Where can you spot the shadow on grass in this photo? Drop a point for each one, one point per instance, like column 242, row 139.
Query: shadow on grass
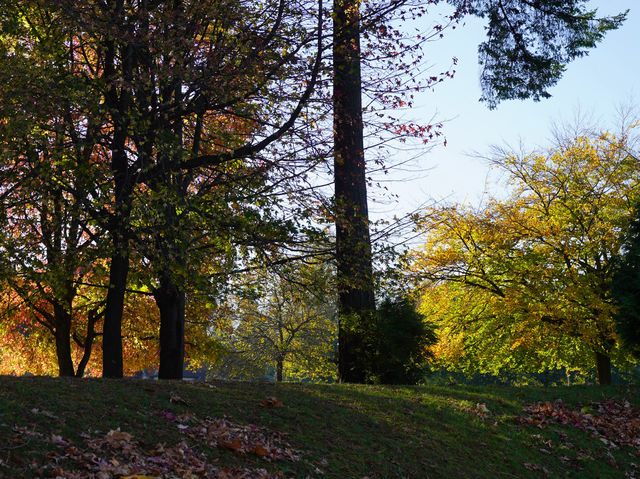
column 344, row 431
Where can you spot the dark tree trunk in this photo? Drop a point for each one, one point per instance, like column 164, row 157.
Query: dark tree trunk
column 353, row 245
column 118, row 97
column 62, row 320
column 170, row 301
column 112, row 366
column 92, row 319
column 170, row 296
column 603, row 368
column 279, row 369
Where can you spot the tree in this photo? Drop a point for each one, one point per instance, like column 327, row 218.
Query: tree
column 49, row 246
column 527, row 48
column 395, row 343
column 625, row 289
column 144, row 77
column 525, row 281
column 49, row 253
column 203, row 35
column 285, row 320
column 353, row 245
column 157, row 66
column 529, row 43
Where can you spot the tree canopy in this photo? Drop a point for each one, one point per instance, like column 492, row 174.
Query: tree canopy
column 525, row 281
column 158, row 148
column 529, row 43
column 283, row 319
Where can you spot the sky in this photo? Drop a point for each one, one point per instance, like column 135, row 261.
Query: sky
column 595, row 85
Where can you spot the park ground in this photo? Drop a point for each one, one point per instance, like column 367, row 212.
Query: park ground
column 97, row 428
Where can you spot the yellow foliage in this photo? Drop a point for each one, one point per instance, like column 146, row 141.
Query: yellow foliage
column 524, row 281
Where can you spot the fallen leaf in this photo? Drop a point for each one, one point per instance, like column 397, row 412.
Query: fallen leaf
column 260, row 451
column 614, row 422
column 57, row 472
column 58, row 440
column 174, row 398
column 221, row 432
column 235, row 444
column 119, row 435
column 271, row 402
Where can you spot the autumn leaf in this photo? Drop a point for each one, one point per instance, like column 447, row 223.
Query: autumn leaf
column 117, row 455
column 614, row 422
column 239, row 438
column 234, row 445
column 260, row 451
column 118, row 436
column 271, row 402
column 519, row 281
column 174, row 398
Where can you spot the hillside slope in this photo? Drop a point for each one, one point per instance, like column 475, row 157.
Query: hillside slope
column 94, row 428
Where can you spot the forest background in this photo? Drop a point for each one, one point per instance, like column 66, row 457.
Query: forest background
column 246, row 320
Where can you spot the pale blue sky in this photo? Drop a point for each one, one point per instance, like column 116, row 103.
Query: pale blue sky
column 596, row 84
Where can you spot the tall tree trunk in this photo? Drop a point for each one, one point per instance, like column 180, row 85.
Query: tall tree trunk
column 171, row 302
column 62, row 320
column 170, row 296
column 603, row 368
column 112, row 364
column 118, row 99
column 353, row 244
column 279, row 370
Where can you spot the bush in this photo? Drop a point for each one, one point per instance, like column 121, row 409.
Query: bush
column 393, row 343
column 625, row 289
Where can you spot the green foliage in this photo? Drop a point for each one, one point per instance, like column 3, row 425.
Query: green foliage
column 140, row 125
column 281, row 321
column 392, row 342
column 529, row 44
column 625, row 288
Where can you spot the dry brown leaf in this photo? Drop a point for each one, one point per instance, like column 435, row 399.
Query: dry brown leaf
column 271, row 402
column 174, row 398
column 235, row 444
column 614, row 422
column 118, row 435
column 260, row 451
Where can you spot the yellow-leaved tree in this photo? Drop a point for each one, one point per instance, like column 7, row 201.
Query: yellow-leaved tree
column 282, row 319
column 523, row 282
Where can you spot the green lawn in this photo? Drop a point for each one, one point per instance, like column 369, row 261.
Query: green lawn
column 94, row 428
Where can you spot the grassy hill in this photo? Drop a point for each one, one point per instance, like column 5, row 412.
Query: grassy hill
column 52, row 427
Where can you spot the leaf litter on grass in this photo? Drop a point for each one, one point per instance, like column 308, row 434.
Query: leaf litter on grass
column 243, row 439
column 614, row 422
column 119, row 454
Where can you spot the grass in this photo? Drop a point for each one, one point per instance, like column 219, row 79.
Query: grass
column 340, row 431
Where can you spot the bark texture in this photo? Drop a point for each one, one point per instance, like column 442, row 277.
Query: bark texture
column 353, row 244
